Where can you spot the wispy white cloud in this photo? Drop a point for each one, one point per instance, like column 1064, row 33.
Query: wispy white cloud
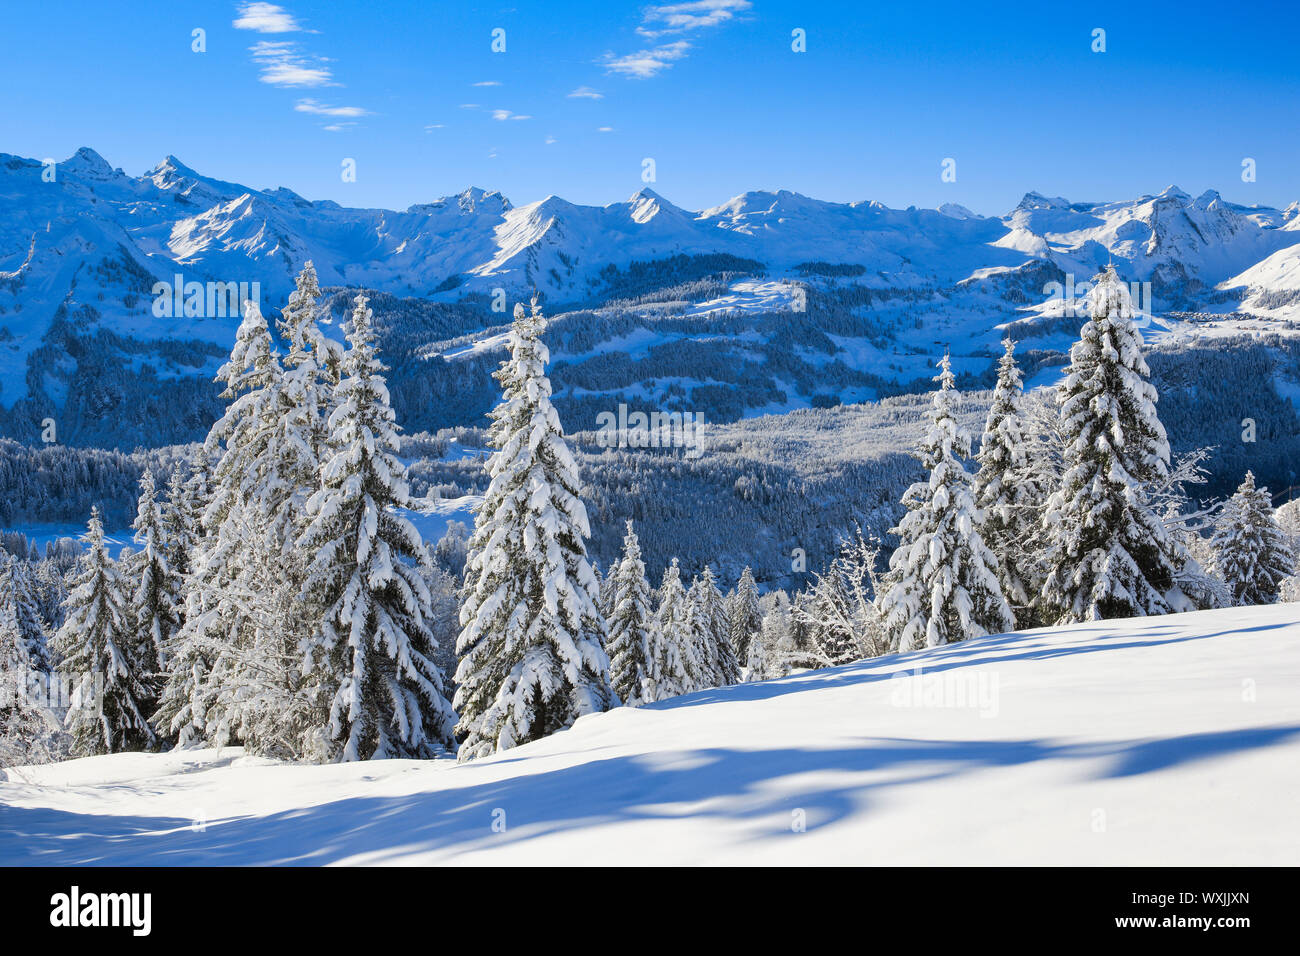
column 488, row 83
column 646, row 63
column 338, row 127
column 469, row 106
column 432, row 126
column 508, row 115
column 684, row 17
column 586, row 93
column 550, row 140
column 671, row 20
column 282, row 64
column 320, row 109
column 604, row 129
column 265, row 18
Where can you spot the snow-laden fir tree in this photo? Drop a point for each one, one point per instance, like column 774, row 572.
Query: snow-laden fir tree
column 157, row 589
column 942, row 581
column 1288, row 518
column 530, row 645
column 180, row 524
column 260, row 692
column 718, row 664
column 309, row 349
column 755, row 659
column 18, row 595
column 631, row 620
column 187, row 660
column 744, row 619
column 606, row 592
column 107, row 664
column 674, row 667
column 841, row 617
column 1006, row 493
column 19, row 721
column 1110, row 555
column 372, row 655
column 220, row 613
column 777, row 634
column 306, row 396
column 451, row 552
column 239, row 676
column 1251, row 552
column 29, row 731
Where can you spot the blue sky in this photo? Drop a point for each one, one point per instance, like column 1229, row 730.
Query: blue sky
column 711, row 90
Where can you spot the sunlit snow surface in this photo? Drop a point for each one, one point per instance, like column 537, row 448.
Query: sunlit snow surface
column 1172, row 740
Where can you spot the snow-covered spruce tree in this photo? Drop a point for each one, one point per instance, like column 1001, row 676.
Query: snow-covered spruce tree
column 20, row 722
column 630, row 621
column 755, row 659
column 777, row 634
column 29, row 732
column 444, row 622
column 718, row 664
column 157, row 590
column 239, row 676
column 744, row 619
column 259, row 694
column 219, row 609
column 1007, row 494
column 180, row 524
column 108, row 665
column 1110, row 555
column 674, row 668
column 1288, row 519
column 842, row 617
column 1187, row 521
column 187, row 662
column 942, row 581
column 372, row 655
column 309, row 349
column 18, row 594
column 1251, row 551
column 530, row 645
column 306, row 397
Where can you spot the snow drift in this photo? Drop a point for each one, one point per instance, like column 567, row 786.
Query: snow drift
column 1160, row 741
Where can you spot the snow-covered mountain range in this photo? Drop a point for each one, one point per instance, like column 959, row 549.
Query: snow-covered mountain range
column 83, row 247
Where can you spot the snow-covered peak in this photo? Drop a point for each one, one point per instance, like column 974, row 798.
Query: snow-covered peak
column 957, row 211
column 171, row 166
column 475, row 199
column 1036, row 200
column 471, row 201
column 1173, row 192
column 1206, row 199
column 783, row 202
column 645, row 204
column 85, row 163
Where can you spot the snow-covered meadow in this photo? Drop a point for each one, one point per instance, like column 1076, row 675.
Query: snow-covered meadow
column 1171, row 740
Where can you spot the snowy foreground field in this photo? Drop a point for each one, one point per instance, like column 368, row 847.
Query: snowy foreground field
column 1171, row 740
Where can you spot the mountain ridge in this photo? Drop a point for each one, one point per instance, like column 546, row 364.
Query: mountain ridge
column 88, row 253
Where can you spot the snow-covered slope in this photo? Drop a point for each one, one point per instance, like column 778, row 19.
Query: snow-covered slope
column 1168, row 741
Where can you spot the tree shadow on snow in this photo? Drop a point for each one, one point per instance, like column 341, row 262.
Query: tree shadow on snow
column 717, row 783
column 985, row 650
